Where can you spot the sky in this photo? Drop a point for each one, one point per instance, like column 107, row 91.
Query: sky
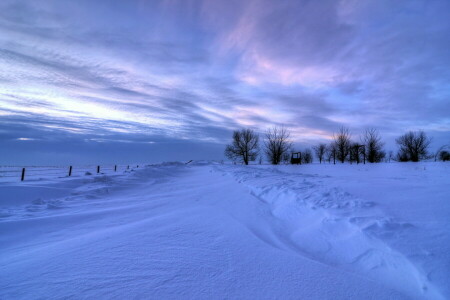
column 148, row 81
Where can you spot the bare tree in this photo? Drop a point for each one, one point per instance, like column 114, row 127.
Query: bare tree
column 245, row 146
column 413, row 146
column 277, row 143
column 373, row 146
column 286, row 158
column 331, row 152
column 342, row 144
column 355, row 152
column 444, row 155
column 439, row 150
column 307, row 156
column 320, row 151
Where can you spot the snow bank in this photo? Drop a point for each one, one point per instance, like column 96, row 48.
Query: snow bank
column 208, row 230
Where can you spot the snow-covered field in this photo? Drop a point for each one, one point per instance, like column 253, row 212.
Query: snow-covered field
column 212, row 231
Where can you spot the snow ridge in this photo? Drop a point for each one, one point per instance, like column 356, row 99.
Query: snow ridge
column 331, row 226
column 212, row 231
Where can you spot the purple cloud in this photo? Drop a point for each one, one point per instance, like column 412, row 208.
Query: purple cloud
column 177, row 72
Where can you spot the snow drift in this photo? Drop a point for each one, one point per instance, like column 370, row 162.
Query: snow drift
column 222, row 231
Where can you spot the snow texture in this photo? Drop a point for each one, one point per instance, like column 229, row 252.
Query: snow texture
column 213, row 231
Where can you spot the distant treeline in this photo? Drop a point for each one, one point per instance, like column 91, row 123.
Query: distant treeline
column 277, row 147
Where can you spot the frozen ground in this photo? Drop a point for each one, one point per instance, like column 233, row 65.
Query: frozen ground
column 211, row 231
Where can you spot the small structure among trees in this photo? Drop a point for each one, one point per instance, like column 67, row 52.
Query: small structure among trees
column 413, row 146
column 296, row 158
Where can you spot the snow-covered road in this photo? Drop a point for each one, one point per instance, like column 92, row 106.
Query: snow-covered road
column 211, row 231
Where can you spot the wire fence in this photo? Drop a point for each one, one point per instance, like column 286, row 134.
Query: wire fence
column 32, row 173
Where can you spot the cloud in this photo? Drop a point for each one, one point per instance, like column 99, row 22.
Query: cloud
column 177, row 72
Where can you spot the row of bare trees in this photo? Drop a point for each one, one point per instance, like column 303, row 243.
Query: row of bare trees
column 245, row 145
column 413, row 146
column 343, row 148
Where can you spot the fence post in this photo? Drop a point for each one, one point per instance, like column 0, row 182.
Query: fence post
column 334, row 156
column 23, row 174
column 98, row 169
column 128, row 167
column 137, row 166
column 70, row 171
column 115, row 168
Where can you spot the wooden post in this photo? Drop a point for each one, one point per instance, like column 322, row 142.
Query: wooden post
column 115, row 168
column 23, row 174
column 137, row 166
column 98, row 169
column 70, row 171
column 334, row 156
column 128, row 167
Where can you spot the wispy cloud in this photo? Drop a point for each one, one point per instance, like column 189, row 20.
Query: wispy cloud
column 176, row 71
